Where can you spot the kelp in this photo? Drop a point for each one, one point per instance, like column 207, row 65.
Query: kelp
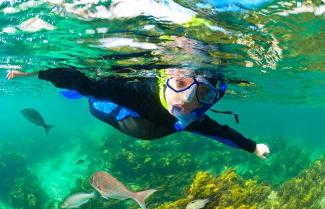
column 170, row 164
column 27, row 194
column 19, row 187
column 307, row 190
column 229, row 190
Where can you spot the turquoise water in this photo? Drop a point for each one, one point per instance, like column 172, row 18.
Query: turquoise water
column 274, row 48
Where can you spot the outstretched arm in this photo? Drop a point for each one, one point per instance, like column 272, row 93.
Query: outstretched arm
column 16, row 73
column 225, row 134
column 128, row 92
column 63, row 78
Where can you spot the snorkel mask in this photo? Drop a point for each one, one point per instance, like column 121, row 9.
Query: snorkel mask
column 190, row 88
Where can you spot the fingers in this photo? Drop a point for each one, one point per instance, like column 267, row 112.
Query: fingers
column 10, row 74
column 262, row 156
column 267, row 150
column 262, row 151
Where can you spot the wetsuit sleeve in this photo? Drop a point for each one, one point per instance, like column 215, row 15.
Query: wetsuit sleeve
column 69, row 78
column 112, row 88
column 222, row 133
column 140, row 94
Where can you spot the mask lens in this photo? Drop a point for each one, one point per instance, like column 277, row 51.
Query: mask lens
column 180, row 84
column 205, row 94
column 189, row 94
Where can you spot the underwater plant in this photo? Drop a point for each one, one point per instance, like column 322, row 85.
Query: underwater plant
column 12, row 166
column 19, row 187
column 148, row 164
column 283, row 163
column 307, row 190
column 27, row 193
column 170, row 164
column 229, row 190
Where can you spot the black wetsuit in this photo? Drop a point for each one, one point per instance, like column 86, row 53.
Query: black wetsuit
column 142, row 96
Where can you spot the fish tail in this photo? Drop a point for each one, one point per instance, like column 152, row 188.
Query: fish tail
column 139, row 197
column 96, row 194
column 47, row 128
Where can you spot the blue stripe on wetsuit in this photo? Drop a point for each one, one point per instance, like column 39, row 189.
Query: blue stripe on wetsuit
column 106, row 107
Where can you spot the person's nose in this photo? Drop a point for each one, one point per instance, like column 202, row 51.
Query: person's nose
column 184, row 98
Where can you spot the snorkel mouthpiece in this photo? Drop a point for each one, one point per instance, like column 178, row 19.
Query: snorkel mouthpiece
column 176, row 110
column 184, row 120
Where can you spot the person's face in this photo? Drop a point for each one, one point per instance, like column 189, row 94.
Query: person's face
column 181, row 100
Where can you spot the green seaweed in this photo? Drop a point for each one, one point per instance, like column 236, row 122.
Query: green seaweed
column 229, row 190
column 307, row 190
column 27, row 193
column 170, row 164
column 19, row 187
column 12, row 166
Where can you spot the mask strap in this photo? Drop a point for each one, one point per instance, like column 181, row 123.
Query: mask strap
column 228, row 113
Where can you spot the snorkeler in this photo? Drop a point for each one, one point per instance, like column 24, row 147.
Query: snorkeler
column 151, row 108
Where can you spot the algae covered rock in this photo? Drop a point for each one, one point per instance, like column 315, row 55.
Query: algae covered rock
column 170, row 164
column 228, row 190
column 307, row 190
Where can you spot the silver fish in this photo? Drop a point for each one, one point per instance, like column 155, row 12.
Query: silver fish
column 110, row 187
column 35, row 117
column 197, row 204
column 78, row 199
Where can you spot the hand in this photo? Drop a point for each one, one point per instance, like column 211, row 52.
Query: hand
column 261, row 150
column 14, row 73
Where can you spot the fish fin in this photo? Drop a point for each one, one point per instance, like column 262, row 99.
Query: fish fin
column 47, row 128
column 141, row 196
